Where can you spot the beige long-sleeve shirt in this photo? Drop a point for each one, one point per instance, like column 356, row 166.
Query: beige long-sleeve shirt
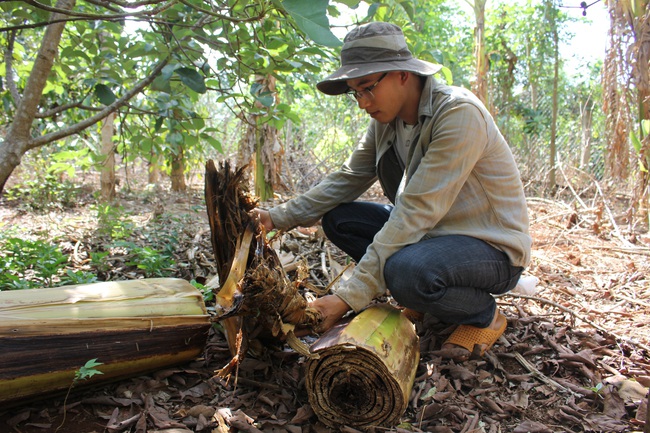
column 460, row 178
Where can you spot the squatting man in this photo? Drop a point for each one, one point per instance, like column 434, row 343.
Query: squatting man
column 456, row 231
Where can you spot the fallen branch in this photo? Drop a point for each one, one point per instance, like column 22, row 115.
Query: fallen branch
column 538, row 374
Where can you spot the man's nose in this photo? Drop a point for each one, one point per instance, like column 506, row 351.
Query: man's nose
column 363, row 102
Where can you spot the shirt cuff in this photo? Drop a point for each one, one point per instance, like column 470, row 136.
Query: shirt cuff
column 356, row 298
column 281, row 218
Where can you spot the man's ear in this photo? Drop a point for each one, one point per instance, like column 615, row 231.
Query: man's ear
column 404, row 76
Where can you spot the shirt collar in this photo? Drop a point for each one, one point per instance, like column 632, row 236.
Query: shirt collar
column 425, row 109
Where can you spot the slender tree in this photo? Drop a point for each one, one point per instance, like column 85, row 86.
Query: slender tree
column 551, row 14
column 479, row 86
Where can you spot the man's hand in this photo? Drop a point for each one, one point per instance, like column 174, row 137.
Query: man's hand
column 332, row 308
column 265, row 218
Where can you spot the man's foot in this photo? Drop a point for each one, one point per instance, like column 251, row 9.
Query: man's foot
column 469, row 340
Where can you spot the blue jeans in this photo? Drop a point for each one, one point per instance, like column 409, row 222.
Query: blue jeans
column 450, row 277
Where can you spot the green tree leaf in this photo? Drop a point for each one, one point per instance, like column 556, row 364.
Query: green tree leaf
column 174, row 137
column 192, row 79
column 311, row 17
column 216, row 144
column 161, row 84
column 105, row 94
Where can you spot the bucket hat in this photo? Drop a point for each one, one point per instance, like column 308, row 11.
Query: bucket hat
column 372, row 48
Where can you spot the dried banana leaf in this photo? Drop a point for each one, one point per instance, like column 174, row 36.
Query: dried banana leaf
column 365, row 370
column 253, row 282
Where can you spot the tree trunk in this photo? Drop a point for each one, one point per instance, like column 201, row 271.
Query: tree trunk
column 551, row 11
column 642, row 64
column 154, row 169
column 626, row 90
column 616, row 90
column 532, row 79
column 260, row 144
column 178, row 171
column 642, row 79
column 107, row 175
column 263, row 185
column 587, row 119
column 507, row 86
column 480, row 87
column 16, row 142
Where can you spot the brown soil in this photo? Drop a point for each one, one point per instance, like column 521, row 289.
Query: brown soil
column 574, row 357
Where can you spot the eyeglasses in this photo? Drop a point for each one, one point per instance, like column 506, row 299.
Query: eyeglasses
column 356, row 95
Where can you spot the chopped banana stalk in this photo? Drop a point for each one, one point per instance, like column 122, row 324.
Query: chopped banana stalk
column 365, row 370
column 254, row 283
column 229, row 298
column 131, row 327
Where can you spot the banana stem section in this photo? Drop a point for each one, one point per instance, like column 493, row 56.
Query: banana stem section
column 254, row 286
column 365, row 369
column 131, row 327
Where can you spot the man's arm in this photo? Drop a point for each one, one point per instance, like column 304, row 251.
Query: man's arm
column 343, row 186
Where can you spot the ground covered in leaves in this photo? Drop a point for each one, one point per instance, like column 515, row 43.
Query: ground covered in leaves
column 574, row 358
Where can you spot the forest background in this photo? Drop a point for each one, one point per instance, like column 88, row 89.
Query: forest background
column 104, row 98
column 110, row 110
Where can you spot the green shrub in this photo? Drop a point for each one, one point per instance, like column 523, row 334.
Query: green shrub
column 152, row 262
column 113, row 221
column 26, row 264
column 43, row 193
column 78, row 277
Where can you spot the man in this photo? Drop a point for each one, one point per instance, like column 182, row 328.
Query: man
column 458, row 228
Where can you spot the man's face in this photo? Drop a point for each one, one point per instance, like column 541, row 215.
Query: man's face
column 377, row 94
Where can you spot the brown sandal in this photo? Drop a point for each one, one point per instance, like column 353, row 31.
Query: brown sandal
column 468, row 337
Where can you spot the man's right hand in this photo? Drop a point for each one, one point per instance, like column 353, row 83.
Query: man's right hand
column 265, row 218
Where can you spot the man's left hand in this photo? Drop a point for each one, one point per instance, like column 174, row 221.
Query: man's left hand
column 332, row 309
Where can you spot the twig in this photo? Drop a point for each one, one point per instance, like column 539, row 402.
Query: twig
column 632, row 300
column 552, row 216
column 584, row 319
column 338, row 276
column 547, row 201
column 538, row 374
column 575, row 194
column 616, row 231
column 323, row 265
column 632, row 250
